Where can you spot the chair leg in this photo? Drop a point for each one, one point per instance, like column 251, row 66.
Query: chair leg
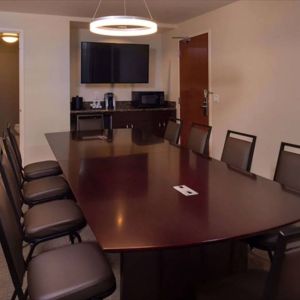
column 14, row 295
column 270, row 253
column 77, row 235
column 19, row 294
column 26, row 293
column 72, row 238
column 29, row 256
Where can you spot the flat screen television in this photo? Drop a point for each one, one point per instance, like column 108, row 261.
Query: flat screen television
column 114, row 63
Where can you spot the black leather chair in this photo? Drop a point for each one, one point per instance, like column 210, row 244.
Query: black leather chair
column 287, row 173
column 38, row 190
column 238, row 153
column 34, row 170
column 45, row 221
column 80, row 271
column 172, row 131
column 281, row 283
column 199, row 138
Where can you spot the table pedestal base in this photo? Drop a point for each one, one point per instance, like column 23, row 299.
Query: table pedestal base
column 173, row 274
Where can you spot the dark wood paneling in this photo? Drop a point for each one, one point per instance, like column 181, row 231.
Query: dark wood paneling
column 193, row 81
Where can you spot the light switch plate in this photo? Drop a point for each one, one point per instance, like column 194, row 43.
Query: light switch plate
column 216, row 98
column 185, row 190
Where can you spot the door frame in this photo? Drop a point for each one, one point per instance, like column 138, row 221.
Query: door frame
column 210, row 102
column 21, row 83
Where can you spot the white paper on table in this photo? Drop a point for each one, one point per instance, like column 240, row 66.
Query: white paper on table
column 185, row 190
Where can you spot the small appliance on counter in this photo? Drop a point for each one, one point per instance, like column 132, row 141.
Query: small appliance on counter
column 110, row 101
column 77, row 103
column 96, row 104
column 149, row 99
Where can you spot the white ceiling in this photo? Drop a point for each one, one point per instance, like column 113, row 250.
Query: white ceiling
column 163, row 11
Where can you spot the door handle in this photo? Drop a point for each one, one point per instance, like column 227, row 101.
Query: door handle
column 204, row 105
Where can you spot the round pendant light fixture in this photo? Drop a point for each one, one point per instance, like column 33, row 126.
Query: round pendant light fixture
column 123, row 25
column 10, row 37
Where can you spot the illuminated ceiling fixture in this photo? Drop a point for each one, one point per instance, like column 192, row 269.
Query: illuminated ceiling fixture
column 10, row 37
column 123, row 25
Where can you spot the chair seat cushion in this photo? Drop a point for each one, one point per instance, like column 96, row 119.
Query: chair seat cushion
column 74, row 272
column 268, row 241
column 44, row 189
column 245, row 286
column 52, row 218
column 41, row 169
column 265, row 242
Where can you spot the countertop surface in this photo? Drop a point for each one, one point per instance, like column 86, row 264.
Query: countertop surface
column 123, row 106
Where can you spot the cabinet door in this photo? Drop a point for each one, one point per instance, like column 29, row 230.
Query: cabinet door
column 123, row 119
column 161, row 120
column 155, row 120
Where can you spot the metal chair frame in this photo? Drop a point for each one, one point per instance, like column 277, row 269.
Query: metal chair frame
column 252, row 148
column 33, row 243
column 177, row 121
column 208, row 128
column 18, row 286
column 282, row 146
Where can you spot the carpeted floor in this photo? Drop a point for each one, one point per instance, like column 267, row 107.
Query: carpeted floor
column 257, row 259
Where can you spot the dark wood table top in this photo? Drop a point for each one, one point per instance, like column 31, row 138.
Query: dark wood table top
column 125, row 189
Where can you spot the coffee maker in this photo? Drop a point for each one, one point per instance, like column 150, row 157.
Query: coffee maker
column 77, row 103
column 110, row 102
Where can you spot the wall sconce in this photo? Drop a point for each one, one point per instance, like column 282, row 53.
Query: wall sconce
column 10, row 37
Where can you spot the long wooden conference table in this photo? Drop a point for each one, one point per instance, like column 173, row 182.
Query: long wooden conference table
column 168, row 241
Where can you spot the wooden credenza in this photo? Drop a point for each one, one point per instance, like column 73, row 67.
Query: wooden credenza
column 126, row 116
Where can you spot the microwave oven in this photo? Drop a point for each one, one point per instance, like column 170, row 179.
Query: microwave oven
column 148, row 99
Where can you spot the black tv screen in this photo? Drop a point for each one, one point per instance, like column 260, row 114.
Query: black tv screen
column 114, row 63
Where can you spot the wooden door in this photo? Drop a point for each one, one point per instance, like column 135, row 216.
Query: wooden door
column 193, row 82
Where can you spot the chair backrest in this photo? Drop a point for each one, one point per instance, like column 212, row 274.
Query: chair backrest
column 172, row 131
column 199, row 138
column 283, row 280
column 11, row 241
column 288, row 167
column 15, row 145
column 238, row 152
column 10, row 183
column 17, row 170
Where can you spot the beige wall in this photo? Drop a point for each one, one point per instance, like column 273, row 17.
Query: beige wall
column 46, row 75
column 255, row 65
column 90, row 92
column 9, row 84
